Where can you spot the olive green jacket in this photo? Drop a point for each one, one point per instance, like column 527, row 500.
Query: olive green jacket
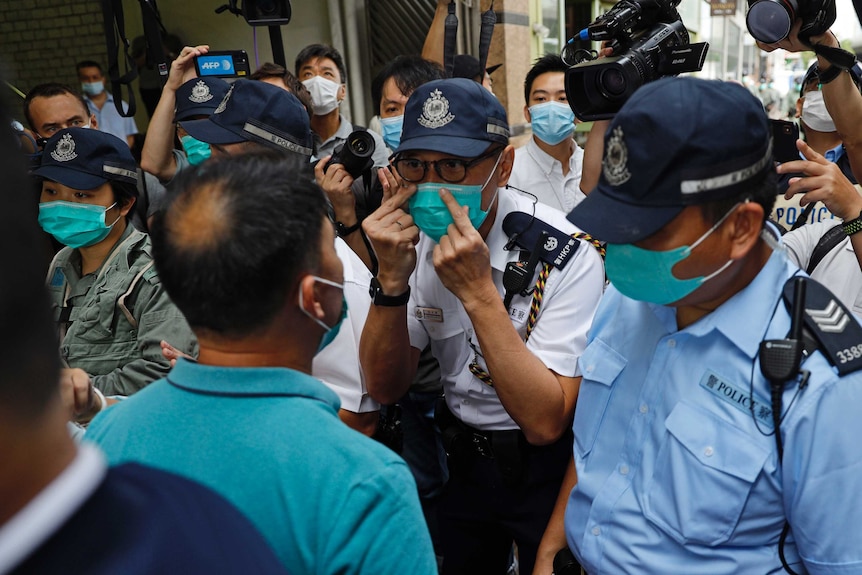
column 111, row 321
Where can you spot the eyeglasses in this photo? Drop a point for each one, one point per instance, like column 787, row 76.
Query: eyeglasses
column 451, row 170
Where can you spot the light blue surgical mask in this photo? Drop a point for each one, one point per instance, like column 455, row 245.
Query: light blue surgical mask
column 552, row 122
column 432, row 216
column 647, row 275
column 330, row 332
column 196, row 151
column 75, row 225
column 392, row 131
column 92, row 88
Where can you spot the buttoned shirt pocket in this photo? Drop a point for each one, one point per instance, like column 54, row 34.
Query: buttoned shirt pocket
column 600, row 365
column 704, row 472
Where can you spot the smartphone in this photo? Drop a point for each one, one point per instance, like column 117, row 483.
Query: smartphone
column 223, row 64
column 784, row 136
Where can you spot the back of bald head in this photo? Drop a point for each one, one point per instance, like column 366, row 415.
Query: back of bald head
column 234, row 238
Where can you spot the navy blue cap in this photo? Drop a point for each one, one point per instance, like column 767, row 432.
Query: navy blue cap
column 454, row 116
column 253, row 111
column 199, row 97
column 84, row 159
column 676, row 142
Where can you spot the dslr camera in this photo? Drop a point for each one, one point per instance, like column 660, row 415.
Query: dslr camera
column 769, row 21
column 355, row 154
column 649, row 41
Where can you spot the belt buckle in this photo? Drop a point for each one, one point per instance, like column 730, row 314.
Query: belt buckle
column 482, row 445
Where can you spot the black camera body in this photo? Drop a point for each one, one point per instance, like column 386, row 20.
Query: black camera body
column 355, row 154
column 649, row 41
column 769, row 21
column 266, row 12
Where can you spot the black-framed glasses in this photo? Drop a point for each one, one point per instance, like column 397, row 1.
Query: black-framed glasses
column 451, row 170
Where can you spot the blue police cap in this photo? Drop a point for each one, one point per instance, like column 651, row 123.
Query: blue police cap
column 676, row 142
column 84, row 159
column 255, row 111
column 199, row 97
column 454, row 116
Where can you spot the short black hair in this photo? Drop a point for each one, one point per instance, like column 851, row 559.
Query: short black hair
column 760, row 191
column 49, row 90
column 320, row 51
column 123, row 194
column 88, row 64
column 543, row 65
column 234, row 238
column 409, row 73
column 29, row 357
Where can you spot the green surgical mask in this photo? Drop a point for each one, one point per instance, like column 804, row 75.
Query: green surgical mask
column 75, row 225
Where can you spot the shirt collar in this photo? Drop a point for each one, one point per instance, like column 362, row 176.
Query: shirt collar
column 52, row 507
column 545, row 161
column 835, row 153
column 345, row 128
column 757, row 303
column 249, row 382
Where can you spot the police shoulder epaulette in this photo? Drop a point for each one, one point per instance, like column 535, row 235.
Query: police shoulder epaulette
column 836, row 330
column 151, row 275
column 524, row 230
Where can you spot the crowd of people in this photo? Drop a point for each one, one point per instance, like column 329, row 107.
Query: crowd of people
column 249, row 356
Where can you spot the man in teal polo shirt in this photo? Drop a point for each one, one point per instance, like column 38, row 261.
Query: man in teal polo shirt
column 246, row 252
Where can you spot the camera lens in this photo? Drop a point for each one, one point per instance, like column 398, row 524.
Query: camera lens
column 612, row 82
column 769, row 21
column 359, row 146
column 268, row 8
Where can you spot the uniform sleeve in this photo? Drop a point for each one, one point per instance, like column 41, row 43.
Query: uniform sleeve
column 822, row 466
column 381, row 528
column 158, row 319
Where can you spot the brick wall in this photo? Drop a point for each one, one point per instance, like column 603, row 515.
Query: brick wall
column 42, row 40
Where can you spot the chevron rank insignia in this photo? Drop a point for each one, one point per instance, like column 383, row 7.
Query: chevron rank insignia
column 836, row 330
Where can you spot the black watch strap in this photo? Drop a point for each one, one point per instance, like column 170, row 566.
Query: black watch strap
column 379, row 298
column 343, row 231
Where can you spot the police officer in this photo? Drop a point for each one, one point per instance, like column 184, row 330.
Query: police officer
column 507, row 357
column 685, row 464
column 108, row 302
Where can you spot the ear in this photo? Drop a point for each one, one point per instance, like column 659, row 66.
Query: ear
column 342, row 92
column 94, row 122
column 744, row 227
column 799, row 107
column 309, row 297
column 507, row 161
column 527, row 115
column 127, row 207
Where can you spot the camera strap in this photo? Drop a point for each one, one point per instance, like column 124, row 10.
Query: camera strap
column 115, row 32
column 153, row 30
column 450, row 37
column 489, row 20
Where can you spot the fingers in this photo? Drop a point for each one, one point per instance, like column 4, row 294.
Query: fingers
column 391, row 181
column 460, row 214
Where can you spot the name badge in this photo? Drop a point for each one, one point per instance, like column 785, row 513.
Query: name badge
column 58, row 279
column 434, row 314
column 518, row 314
column 738, row 398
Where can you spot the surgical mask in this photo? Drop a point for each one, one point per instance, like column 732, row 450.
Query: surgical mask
column 196, row 151
column 432, row 216
column 92, row 88
column 814, row 113
column 392, row 131
column 647, row 275
column 552, row 122
column 330, row 332
column 324, row 94
column 75, row 225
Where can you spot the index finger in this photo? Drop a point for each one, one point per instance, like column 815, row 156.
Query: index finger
column 397, row 200
column 459, row 215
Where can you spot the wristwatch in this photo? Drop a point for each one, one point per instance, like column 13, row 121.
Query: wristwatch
column 380, row 298
column 343, row 231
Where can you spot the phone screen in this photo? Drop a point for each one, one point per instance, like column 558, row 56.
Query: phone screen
column 219, row 65
column 784, row 136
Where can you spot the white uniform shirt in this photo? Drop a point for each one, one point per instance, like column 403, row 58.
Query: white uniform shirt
column 570, row 300
column 338, row 364
column 540, row 174
column 838, row 270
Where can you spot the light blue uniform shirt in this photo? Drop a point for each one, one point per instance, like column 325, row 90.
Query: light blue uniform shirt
column 674, row 477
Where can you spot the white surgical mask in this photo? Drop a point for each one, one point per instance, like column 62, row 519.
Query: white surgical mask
column 324, row 94
column 814, row 113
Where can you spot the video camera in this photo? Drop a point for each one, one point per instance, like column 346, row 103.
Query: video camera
column 769, row 21
column 649, row 41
